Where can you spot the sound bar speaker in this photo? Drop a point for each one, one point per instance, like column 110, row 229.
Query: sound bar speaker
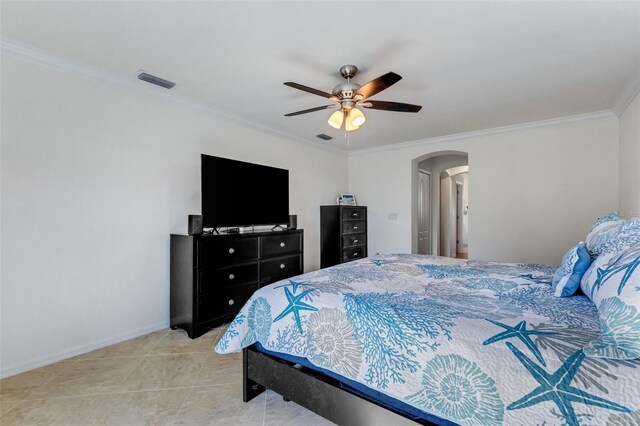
column 195, row 224
column 293, row 221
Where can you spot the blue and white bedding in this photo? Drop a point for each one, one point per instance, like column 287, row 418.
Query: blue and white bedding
column 476, row 343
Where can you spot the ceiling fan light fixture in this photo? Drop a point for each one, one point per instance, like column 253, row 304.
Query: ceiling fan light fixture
column 348, row 124
column 356, row 117
column 336, row 119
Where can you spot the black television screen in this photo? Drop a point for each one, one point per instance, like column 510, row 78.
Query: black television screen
column 236, row 193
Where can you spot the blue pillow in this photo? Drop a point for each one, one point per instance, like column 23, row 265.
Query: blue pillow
column 575, row 263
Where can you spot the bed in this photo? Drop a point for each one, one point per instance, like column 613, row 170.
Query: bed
column 399, row 338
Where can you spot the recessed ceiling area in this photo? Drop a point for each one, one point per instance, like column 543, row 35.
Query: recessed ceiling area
column 471, row 65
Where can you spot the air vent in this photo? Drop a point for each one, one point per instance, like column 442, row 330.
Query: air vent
column 324, row 137
column 156, row 80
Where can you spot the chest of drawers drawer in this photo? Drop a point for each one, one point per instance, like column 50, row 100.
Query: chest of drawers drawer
column 211, row 281
column 224, row 303
column 354, row 253
column 354, row 240
column 285, row 266
column 354, row 227
column 276, row 245
column 353, row 213
column 225, row 251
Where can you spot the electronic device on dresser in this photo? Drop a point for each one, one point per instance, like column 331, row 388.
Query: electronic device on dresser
column 238, row 194
column 343, row 234
column 212, row 276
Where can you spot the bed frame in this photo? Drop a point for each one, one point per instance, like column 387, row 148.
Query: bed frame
column 314, row 391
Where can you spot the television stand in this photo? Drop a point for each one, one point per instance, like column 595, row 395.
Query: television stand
column 278, row 226
column 213, row 276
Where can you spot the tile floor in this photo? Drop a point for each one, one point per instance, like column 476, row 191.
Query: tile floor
column 162, row 378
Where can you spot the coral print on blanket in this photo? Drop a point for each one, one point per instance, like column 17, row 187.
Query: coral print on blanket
column 473, row 343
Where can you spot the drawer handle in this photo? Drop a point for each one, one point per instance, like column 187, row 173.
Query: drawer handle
column 231, row 276
column 355, row 241
column 282, row 266
column 356, row 254
column 354, row 214
column 281, row 244
column 231, row 302
column 355, row 227
column 231, row 250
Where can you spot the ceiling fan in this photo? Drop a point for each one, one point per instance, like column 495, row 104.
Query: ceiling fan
column 349, row 96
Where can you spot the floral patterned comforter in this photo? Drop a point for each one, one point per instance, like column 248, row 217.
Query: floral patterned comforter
column 477, row 343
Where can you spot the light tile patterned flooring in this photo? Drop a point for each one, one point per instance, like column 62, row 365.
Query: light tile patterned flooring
column 163, row 378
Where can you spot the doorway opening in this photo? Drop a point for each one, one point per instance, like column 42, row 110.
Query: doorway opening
column 440, row 213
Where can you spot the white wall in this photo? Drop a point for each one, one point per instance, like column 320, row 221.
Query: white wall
column 630, row 159
column 533, row 192
column 94, row 178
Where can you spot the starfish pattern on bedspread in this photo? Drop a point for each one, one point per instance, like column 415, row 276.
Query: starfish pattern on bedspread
column 295, row 306
column 556, row 387
column 294, row 285
column 518, row 331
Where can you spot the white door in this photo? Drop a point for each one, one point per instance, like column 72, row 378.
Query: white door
column 459, row 212
column 424, row 212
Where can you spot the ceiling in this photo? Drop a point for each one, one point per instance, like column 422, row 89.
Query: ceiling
column 472, row 66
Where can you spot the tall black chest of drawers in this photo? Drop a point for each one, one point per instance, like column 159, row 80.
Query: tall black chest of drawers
column 343, row 234
column 212, row 276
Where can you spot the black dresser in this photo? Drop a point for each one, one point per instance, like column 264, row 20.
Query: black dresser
column 212, row 276
column 343, row 234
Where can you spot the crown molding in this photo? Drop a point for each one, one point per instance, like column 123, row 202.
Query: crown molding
column 630, row 91
column 46, row 59
column 599, row 115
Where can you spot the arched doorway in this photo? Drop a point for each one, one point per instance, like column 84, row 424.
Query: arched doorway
column 440, row 218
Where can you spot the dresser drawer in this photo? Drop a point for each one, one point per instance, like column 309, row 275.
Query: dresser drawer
column 354, row 240
column 354, row 253
column 210, row 281
column 353, row 213
column 354, row 227
column 226, row 251
column 285, row 266
column 225, row 303
column 274, row 245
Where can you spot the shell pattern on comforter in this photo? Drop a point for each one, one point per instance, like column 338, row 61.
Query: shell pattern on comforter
column 477, row 343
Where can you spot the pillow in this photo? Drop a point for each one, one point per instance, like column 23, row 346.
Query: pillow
column 600, row 234
column 575, row 263
column 611, row 217
column 613, row 283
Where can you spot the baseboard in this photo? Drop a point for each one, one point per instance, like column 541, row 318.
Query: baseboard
column 79, row 350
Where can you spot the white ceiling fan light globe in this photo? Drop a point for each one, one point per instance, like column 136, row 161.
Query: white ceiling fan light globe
column 336, row 119
column 348, row 125
column 356, row 117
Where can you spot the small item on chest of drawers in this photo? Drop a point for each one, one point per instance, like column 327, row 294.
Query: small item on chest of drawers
column 231, row 250
column 194, row 225
column 293, row 221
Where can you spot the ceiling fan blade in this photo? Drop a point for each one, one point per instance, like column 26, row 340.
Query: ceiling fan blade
column 304, row 111
column 391, row 106
column 310, row 90
column 378, row 85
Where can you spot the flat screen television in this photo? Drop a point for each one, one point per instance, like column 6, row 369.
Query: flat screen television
column 236, row 193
